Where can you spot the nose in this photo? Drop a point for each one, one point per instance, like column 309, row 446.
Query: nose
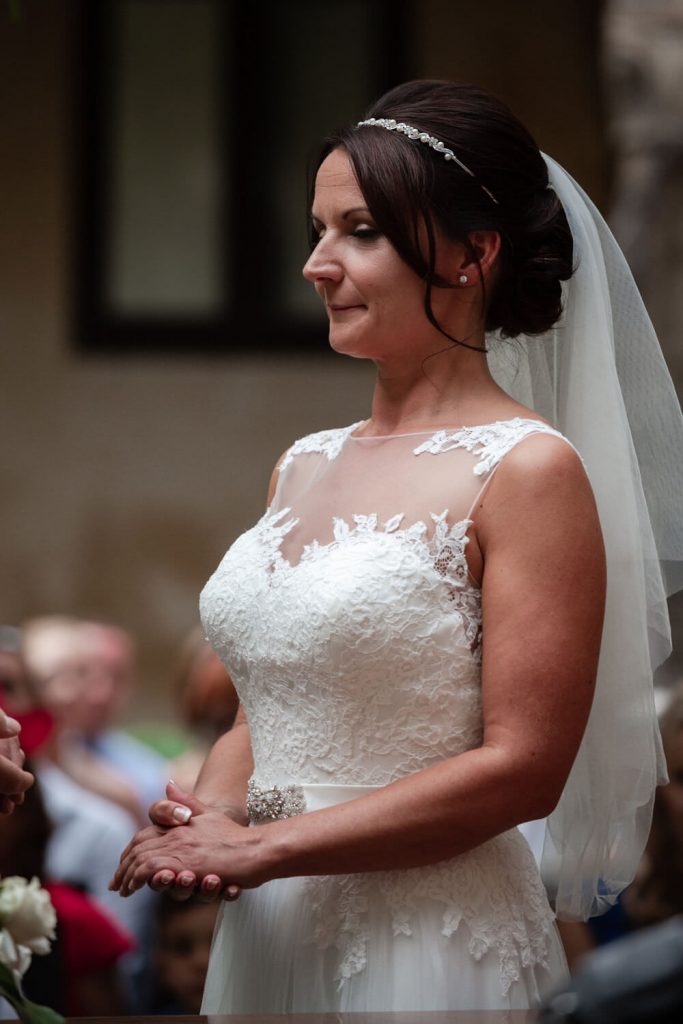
column 322, row 265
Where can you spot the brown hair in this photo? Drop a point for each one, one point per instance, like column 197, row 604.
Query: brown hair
column 409, row 187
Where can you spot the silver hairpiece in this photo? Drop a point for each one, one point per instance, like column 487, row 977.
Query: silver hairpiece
column 414, row 133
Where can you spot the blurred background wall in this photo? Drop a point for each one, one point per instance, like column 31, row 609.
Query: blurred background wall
column 127, row 471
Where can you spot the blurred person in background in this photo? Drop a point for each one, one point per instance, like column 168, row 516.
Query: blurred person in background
column 656, row 893
column 87, row 828
column 85, row 672
column 108, row 654
column 208, row 704
column 181, row 958
column 79, row 976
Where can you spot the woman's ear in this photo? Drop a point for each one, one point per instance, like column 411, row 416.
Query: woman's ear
column 485, row 246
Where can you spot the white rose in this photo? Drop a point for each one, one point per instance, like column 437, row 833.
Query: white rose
column 17, row 958
column 26, row 912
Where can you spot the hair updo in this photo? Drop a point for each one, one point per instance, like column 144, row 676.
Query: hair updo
column 408, row 186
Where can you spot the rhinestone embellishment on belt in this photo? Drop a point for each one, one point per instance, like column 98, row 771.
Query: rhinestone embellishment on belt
column 273, row 804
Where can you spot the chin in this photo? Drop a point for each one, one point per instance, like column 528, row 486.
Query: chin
column 363, row 348
column 347, row 343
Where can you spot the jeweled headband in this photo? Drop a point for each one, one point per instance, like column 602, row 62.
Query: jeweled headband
column 414, row 133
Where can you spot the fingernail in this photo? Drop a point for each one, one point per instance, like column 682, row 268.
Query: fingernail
column 131, row 886
column 12, row 723
column 182, row 814
column 166, row 878
column 233, row 890
column 186, row 880
column 211, row 884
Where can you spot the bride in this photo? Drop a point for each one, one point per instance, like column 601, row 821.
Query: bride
column 415, row 624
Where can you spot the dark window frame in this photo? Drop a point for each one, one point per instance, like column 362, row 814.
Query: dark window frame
column 248, row 328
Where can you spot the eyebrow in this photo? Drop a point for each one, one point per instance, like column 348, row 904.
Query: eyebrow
column 354, row 209
column 346, row 213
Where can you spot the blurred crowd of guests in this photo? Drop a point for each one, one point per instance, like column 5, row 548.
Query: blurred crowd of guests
column 67, row 682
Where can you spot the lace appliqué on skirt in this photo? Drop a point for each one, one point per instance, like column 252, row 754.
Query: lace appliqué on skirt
column 478, row 890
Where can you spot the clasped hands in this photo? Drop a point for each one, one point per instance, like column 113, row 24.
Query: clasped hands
column 190, row 847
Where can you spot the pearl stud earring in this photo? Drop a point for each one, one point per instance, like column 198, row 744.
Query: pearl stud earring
column 463, row 279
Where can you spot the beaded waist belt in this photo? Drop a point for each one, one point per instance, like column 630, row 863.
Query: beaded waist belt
column 275, row 803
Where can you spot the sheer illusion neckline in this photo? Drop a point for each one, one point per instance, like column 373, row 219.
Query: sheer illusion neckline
column 462, row 429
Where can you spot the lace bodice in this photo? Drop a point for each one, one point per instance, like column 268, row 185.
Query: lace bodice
column 351, row 626
column 347, row 617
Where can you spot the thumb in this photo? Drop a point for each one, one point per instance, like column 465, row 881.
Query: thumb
column 176, row 794
column 177, row 808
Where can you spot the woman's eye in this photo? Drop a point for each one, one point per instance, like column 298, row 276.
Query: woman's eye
column 365, row 233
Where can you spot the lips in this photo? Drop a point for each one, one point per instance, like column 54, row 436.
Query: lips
column 334, row 308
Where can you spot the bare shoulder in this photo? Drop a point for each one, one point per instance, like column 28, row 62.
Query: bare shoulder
column 544, row 454
column 541, row 463
column 540, row 494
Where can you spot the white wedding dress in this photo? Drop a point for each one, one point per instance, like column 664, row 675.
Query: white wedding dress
column 352, row 629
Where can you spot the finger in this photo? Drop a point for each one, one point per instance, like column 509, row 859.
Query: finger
column 128, row 860
column 162, row 881
column 11, row 749
column 209, row 889
column 181, row 796
column 169, row 813
column 232, row 893
column 145, row 835
column 143, row 867
column 14, row 779
column 6, row 805
column 116, row 881
column 8, row 726
column 178, row 807
column 184, row 887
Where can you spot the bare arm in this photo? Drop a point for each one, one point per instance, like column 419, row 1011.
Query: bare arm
column 223, row 779
column 543, row 599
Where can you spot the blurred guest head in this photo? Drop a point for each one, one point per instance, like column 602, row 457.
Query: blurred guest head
column 208, row 699
column 84, row 670
column 184, row 938
column 109, row 658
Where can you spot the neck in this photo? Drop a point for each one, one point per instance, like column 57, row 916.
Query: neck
column 450, row 388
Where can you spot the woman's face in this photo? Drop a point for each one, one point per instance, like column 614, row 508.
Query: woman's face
column 374, row 301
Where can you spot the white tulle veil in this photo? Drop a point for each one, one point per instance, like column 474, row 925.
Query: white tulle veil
column 599, row 376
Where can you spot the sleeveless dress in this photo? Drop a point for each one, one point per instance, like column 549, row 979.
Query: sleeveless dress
column 352, row 630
